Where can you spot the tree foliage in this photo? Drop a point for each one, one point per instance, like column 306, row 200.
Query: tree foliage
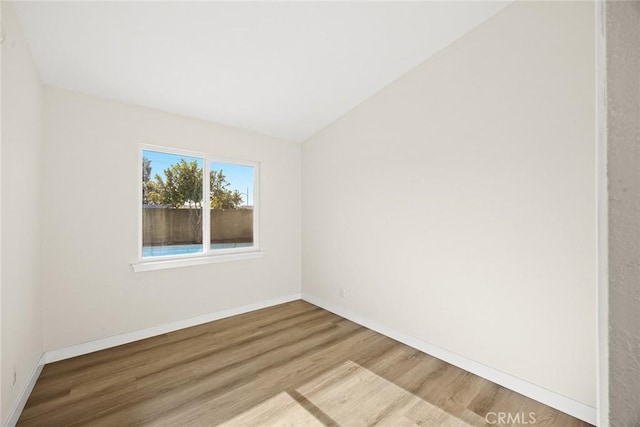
column 182, row 187
column 221, row 196
column 147, row 185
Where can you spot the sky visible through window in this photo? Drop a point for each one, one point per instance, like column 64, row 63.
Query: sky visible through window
column 239, row 177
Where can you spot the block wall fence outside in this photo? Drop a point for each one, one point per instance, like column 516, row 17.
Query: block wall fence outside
column 179, row 226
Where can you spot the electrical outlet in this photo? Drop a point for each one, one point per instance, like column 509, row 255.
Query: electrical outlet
column 14, row 376
column 343, row 293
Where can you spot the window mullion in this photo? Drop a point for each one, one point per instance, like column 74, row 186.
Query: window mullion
column 206, row 205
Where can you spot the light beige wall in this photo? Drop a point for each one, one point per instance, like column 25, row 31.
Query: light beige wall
column 623, row 139
column 476, row 173
column 22, row 103
column 90, row 228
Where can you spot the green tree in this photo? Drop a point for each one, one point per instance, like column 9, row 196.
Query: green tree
column 146, row 169
column 221, row 196
column 147, row 185
column 181, row 186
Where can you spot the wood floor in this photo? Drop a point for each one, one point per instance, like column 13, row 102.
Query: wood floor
column 290, row 365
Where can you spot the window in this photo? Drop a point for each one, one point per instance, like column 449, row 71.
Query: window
column 195, row 207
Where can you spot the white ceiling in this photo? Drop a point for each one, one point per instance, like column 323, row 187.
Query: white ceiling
column 281, row 69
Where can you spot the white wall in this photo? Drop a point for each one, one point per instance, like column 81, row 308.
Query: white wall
column 90, row 222
column 458, row 204
column 22, row 103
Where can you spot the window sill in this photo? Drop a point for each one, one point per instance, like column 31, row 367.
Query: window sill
column 185, row 262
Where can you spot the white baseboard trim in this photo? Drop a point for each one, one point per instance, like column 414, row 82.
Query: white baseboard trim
column 562, row 403
column 547, row 397
column 16, row 411
column 104, row 343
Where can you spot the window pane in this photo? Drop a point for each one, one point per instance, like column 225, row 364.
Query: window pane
column 171, row 204
column 231, row 205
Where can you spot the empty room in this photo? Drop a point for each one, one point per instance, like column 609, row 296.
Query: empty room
column 320, row 213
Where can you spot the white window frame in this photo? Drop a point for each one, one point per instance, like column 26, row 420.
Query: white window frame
column 207, row 255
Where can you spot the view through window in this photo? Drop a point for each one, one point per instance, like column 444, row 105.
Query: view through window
column 175, row 216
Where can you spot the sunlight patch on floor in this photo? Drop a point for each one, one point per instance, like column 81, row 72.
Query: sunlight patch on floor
column 348, row 395
column 354, row 396
column 281, row 410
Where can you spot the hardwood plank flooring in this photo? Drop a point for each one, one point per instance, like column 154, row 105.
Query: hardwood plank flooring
column 289, row 365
